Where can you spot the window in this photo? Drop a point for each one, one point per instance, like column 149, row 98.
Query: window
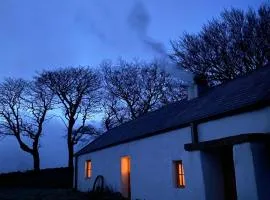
column 88, row 169
column 179, row 174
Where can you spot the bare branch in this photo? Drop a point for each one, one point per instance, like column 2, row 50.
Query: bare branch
column 227, row 47
column 23, row 109
column 77, row 90
column 133, row 89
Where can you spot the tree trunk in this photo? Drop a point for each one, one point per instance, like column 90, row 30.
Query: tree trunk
column 70, row 155
column 36, row 161
column 34, row 152
column 70, row 144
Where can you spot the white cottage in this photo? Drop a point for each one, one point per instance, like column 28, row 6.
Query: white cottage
column 211, row 147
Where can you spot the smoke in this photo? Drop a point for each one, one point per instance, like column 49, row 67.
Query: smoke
column 115, row 29
column 139, row 21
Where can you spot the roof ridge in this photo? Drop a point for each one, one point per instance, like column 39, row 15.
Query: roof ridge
column 242, row 76
column 186, row 101
column 211, row 89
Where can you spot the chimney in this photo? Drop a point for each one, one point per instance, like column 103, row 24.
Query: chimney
column 198, row 87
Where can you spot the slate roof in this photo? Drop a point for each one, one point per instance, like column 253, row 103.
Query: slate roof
column 238, row 95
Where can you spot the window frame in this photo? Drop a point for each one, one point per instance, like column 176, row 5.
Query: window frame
column 88, row 169
column 179, row 174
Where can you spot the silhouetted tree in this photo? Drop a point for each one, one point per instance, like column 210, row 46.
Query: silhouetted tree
column 77, row 91
column 86, row 134
column 23, row 110
column 133, row 89
column 227, row 47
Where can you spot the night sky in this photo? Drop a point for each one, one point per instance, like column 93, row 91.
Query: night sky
column 36, row 35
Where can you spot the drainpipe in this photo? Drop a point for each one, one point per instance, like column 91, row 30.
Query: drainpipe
column 194, row 133
column 76, row 173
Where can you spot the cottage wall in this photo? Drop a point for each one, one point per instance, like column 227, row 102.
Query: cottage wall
column 251, row 122
column 152, row 168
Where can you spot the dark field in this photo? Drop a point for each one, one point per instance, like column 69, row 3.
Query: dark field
column 48, row 184
column 46, row 178
column 53, row 194
column 40, row 194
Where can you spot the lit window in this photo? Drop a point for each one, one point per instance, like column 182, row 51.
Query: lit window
column 180, row 176
column 88, row 169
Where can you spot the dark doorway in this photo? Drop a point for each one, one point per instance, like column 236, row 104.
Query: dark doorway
column 227, row 165
column 219, row 175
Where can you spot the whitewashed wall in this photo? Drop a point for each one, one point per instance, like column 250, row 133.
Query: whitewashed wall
column 251, row 122
column 152, row 159
column 245, row 172
column 151, row 167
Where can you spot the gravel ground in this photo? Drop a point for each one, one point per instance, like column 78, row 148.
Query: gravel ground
column 40, row 194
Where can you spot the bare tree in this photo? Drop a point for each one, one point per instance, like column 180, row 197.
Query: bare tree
column 77, row 90
column 133, row 89
column 23, row 110
column 227, row 47
column 86, row 134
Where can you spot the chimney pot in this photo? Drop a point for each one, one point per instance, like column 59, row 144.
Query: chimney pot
column 198, row 87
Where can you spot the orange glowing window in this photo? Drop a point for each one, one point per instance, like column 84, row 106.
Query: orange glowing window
column 180, row 175
column 88, row 169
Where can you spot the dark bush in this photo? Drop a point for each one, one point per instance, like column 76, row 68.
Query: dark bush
column 46, row 178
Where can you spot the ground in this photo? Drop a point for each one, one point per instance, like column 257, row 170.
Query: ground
column 41, row 194
column 54, row 194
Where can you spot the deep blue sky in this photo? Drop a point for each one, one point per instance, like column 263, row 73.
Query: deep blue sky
column 36, row 35
column 45, row 34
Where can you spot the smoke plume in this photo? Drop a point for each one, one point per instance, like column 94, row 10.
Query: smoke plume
column 139, row 21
